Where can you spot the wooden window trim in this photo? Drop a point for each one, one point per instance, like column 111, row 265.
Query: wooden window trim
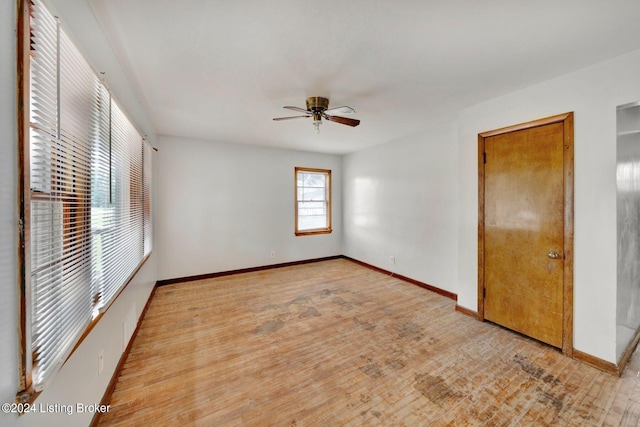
column 24, row 190
column 311, row 232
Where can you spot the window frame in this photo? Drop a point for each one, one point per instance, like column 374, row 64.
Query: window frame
column 27, row 392
column 327, row 200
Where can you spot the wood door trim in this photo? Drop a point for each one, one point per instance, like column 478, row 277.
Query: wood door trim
column 528, row 125
column 568, row 159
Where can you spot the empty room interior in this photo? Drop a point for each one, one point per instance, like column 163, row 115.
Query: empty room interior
column 329, row 213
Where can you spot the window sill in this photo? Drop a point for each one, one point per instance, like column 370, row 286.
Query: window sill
column 313, row 232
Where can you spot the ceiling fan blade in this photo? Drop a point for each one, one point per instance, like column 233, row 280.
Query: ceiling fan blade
column 289, row 118
column 298, row 109
column 342, row 120
column 340, row 110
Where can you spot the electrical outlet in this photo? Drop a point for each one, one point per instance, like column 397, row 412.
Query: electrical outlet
column 273, row 254
column 100, row 362
column 392, row 260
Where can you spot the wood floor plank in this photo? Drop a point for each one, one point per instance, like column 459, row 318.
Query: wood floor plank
column 335, row 343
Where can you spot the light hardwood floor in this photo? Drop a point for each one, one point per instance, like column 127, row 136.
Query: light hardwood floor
column 334, row 343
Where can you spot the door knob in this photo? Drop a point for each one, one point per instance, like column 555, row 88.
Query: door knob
column 553, row 255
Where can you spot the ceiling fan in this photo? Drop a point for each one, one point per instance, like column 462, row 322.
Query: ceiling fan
column 318, row 108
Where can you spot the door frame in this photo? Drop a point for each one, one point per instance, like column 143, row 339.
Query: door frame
column 567, row 289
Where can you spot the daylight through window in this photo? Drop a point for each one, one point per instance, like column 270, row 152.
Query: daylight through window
column 313, row 201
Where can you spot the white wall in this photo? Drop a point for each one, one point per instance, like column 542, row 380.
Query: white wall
column 593, row 94
column 223, row 207
column 400, row 200
column 393, row 206
column 78, row 381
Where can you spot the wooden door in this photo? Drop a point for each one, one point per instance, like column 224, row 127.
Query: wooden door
column 524, row 250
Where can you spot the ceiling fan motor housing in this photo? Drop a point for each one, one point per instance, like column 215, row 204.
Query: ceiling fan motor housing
column 317, row 104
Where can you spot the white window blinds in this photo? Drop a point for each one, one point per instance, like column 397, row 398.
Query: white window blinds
column 89, row 227
column 121, row 245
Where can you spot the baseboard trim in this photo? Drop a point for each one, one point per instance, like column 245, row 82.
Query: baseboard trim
column 426, row 286
column 242, row 270
column 467, row 312
column 622, row 363
column 106, row 398
column 596, row 362
column 431, row 288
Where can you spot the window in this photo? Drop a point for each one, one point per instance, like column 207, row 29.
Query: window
column 313, row 201
column 85, row 202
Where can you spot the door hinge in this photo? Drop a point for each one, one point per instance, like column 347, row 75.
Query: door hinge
column 484, row 293
column 484, row 157
column 21, row 232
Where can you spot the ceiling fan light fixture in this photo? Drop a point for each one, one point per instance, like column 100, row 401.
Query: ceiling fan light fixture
column 317, row 118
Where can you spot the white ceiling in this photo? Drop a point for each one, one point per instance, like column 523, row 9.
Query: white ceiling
column 221, row 70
